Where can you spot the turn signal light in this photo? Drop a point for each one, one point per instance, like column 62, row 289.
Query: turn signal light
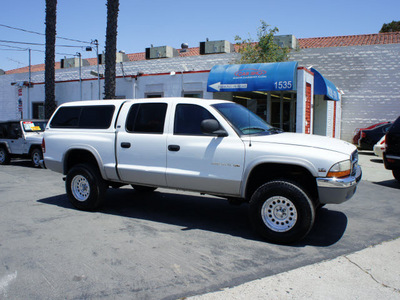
column 341, row 169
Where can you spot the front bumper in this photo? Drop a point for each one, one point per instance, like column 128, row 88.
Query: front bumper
column 338, row 190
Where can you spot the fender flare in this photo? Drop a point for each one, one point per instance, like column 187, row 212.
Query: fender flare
column 294, row 161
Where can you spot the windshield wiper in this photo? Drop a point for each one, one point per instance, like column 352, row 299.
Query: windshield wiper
column 275, row 130
column 253, row 128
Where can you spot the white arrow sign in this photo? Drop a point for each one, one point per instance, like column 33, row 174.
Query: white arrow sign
column 218, row 86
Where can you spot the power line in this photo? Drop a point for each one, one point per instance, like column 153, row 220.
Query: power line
column 38, row 44
column 16, row 48
column 39, row 33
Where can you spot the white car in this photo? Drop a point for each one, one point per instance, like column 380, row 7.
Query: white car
column 380, row 146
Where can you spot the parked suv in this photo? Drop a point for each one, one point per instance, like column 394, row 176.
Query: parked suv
column 391, row 156
column 21, row 138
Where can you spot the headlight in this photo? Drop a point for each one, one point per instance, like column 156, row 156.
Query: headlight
column 341, row 169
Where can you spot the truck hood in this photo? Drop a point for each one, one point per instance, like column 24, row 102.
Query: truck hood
column 305, row 140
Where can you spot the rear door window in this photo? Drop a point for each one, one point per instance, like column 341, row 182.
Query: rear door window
column 146, row 118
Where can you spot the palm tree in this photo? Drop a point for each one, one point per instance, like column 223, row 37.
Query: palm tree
column 51, row 20
column 111, row 48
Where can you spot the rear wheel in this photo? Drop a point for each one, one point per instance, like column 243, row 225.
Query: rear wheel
column 4, row 156
column 85, row 188
column 396, row 175
column 36, row 156
column 281, row 212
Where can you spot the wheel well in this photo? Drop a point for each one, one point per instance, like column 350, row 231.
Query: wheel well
column 267, row 172
column 75, row 157
column 4, row 145
column 35, row 147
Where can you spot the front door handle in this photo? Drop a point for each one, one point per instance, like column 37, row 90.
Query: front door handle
column 174, row 148
column 125, row 145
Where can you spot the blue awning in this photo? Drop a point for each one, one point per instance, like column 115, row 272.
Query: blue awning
column 323, row 86
column 280, row 76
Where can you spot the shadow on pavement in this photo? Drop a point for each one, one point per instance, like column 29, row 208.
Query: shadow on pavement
column 394, row 184
column 204, row 213
column 22, row 163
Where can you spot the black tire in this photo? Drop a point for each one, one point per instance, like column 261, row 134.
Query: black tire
column 143, row 189
column 85, row 187
column 36, row 156
column 4, row 156
column 396, row 174
column 281, row 212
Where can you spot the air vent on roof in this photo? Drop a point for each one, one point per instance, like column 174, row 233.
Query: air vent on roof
column 289, row 41
column 73, row 63
column 161, row 52
column 213, row 47
column 119, row 57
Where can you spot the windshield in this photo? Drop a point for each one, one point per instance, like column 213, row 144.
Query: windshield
column 243, row 120
column 34, row 126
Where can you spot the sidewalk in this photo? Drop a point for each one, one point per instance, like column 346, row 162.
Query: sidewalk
column 372, row 273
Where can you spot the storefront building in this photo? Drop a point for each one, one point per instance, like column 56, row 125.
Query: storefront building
column 282, row 93
column 295, row 96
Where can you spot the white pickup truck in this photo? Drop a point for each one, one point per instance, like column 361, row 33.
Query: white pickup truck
column 209, row 146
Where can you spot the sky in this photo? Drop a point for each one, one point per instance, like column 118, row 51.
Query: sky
column 161, row 23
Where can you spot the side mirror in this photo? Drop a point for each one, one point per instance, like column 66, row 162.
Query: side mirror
column 212, row 126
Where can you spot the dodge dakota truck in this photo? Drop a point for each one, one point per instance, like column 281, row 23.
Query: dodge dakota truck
column 209, row 146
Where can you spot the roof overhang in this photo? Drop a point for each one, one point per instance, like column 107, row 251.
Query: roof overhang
column 280, row 76
column 323, row 86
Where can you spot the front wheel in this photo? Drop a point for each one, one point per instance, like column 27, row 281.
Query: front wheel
column 36, row 156
column 281, row 212
column 4, row 156
column 85, row 188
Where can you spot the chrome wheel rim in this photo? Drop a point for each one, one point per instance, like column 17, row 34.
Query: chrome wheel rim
column 80, row 188
column 36, row 158
column 279, row 214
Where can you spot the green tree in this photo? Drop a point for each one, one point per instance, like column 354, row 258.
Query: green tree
column 111, row 48
column 263, row 50
column 390, row 27
column 49, row 75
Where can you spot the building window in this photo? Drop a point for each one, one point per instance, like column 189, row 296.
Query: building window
column 38, row 110
column 193, row 94
column 154, row 95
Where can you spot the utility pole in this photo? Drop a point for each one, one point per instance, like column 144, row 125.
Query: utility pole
column 29, row 83
column 80, row 73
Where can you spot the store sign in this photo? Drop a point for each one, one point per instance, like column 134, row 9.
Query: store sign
column 253, row 77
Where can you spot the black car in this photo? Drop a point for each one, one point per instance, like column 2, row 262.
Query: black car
column 369, row 137
column 391, row 156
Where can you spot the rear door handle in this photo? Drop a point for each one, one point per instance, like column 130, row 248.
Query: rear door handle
column 125, row 145
column 174, row 148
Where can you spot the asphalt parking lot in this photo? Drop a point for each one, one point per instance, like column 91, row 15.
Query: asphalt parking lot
column 166, row 244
